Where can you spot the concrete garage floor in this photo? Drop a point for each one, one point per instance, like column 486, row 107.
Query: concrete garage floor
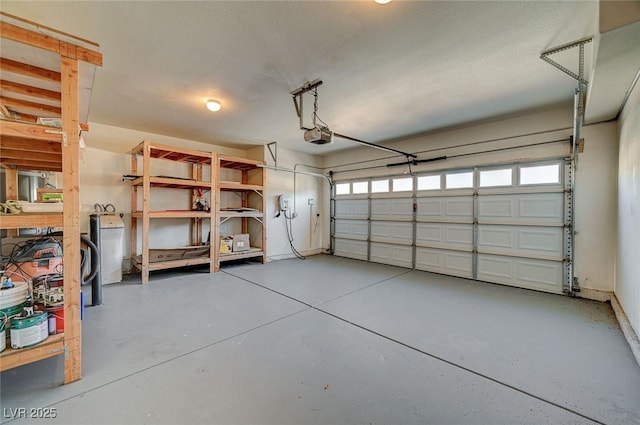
column 336, row 341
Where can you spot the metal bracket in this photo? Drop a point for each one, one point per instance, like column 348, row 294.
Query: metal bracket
column 298, row 101
column 579, row 43
column 66, row 352
column 63, row 133
column 274, row 156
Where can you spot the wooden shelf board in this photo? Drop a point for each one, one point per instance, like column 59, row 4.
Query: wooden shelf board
column 52, row 346
column 252, row 253
column 173, row 153
column 172, row 264
column 27, row 220
column 238, row 163
column 173, row 214
column 24, row 130
column 234, row 214
column 173, row 183
column 235, row 186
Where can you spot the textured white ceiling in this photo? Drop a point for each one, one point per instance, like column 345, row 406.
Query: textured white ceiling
column 389, row 70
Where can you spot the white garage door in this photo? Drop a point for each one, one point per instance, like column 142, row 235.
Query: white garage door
column 506, row 224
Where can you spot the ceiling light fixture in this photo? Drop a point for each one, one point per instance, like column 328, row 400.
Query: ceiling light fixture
column 382, row 1
column 213, row 105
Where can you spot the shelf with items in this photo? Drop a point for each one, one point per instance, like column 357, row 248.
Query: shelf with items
column 143, row 212
column 54, row 345
column 47, row 78
column 245, row 179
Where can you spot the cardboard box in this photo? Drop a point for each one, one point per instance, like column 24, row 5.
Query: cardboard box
column 241, row 242
column 226, row 244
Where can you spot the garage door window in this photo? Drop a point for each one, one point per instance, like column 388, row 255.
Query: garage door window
column 494, row 178
column 343, row 188
column 360, row 187
column 404, row 184
column 459, row 180
column 379, row 186
column 429, row 182
column 542, row 174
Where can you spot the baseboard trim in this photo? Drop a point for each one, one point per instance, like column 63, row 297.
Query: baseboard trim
column 292, row 255
column 629, row 334
column 595, row 294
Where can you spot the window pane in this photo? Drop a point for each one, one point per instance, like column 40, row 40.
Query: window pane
column 360, row 187
column 429, row 182
column 460, row 180
column 343, row 189
column 378, row 186
column 490, row 178
column 403, row 184
column 540, row 175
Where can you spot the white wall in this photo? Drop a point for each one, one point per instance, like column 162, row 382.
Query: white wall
column 596, row 178
column 627, row 285
column 596, row 210
column 309, row 237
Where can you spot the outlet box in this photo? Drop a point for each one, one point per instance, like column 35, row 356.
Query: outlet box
column 312, row 201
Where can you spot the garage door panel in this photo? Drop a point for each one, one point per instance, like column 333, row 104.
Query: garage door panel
column 542, row 275
column 540, row 240
column 544, row 206
column 445, row 235
column 519, row 208
column 392, row 209
column 453, row 263
column 389, row 231
column 351, row 249
column 522, row 240
column 396, row 255
column 357, row 229
column 351, row 208
column 445, row 207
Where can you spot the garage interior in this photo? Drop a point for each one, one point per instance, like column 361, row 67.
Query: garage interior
column 410, row 212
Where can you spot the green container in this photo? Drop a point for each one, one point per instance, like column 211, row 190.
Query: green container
column 30, row 330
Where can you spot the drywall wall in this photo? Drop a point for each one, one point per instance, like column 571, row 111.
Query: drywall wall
column 533, row 136
column 627, row 285
column 596, row 211
column 307, row 227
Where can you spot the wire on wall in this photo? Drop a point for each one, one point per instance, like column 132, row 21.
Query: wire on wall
column 289, row 228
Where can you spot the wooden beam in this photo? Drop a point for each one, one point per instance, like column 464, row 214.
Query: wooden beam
column 7, row 154
column 44, row 27
column 25, row 164
column 15, row 143
column 28, row 118
column 45, row 42
column 71, row 219
column 12, row 87
column 11, row 191
column 8, row 65
column 34, row 106
column 30, row 131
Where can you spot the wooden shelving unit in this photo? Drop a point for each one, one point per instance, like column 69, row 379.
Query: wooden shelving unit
column 34, row 59
column 245, row 178
column 141, row 211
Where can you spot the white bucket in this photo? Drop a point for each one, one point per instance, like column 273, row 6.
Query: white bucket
column 14, row 296
column 3, row 340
